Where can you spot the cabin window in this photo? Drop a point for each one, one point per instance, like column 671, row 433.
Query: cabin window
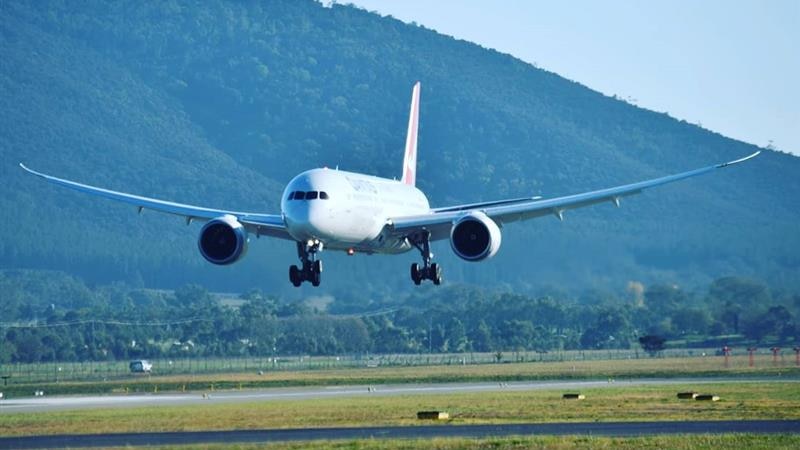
column 299, row 195
column 312, row 195
column 323, row 195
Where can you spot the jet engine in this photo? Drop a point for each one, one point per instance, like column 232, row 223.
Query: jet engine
column 223, row 240
column 475, row 237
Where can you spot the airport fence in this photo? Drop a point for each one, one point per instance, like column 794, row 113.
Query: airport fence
column 113, row 370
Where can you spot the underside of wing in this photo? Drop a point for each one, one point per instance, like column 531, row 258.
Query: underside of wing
column 260, row 224
column 439, row 221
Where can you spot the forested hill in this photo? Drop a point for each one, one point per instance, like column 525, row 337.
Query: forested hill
column 221, row 103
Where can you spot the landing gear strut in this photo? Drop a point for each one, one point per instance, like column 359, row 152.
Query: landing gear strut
column 428, row 271
column 311, row 269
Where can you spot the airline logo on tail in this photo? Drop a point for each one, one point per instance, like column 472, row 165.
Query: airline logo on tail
column 410, row 159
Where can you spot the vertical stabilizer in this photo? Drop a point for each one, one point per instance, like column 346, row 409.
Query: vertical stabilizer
column 410, row 159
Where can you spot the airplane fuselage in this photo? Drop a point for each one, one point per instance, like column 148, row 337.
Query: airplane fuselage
column 349, row 211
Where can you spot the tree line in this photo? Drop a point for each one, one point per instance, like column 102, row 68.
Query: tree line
column 49, row 316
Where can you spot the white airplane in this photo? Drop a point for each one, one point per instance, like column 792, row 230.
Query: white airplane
column 356, row 213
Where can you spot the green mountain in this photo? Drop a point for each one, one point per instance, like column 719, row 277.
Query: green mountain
column 221, row 103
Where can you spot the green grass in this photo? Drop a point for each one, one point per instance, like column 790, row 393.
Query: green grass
column 696, row 366
column 740, row 400
column 678, row 442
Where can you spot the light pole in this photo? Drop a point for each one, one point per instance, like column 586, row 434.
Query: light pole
column 430, row 334
column 727, row 352
column 775, row 352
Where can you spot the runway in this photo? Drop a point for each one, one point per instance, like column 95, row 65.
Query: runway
column 209, row 399
column 46, row 403
column 619, row 429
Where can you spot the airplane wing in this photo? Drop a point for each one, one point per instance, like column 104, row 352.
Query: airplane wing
column 439, row 221
column 259, row 224
column 471, row 206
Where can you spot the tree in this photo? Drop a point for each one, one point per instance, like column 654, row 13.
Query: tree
column 664, row 298
column 652, row 344
column 481, row 338
column 457, row 336
column 518, row 334
column 777, row 321
column 611, row 329
column 691, row 320
column 351, row 335
column 7, row 350
column 193, row 294
column 743, row 292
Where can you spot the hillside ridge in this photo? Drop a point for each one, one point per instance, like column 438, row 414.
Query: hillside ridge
column 220, row 104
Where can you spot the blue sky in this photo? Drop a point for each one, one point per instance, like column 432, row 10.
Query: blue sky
column 732, row 66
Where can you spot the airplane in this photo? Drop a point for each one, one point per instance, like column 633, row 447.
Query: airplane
column 338, row 210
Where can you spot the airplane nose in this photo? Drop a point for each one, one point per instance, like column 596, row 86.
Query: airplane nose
column 307, row 220
column 317, row 215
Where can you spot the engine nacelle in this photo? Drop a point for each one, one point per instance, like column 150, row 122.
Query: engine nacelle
column 223, row 240
column 475, row 237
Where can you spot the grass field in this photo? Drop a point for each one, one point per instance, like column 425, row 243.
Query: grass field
column 740, row 400
column 618, row 401
column 737, row 441
column 695, row 366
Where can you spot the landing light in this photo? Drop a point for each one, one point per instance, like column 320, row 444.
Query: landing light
column 351, row 251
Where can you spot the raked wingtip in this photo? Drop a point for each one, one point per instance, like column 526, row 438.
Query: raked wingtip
column 730, row 163
column 28, row 169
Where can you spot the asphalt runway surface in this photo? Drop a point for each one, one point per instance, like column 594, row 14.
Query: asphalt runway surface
column 410, row 432
column 46, row 403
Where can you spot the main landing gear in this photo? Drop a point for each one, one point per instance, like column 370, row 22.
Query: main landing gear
column 312, row 267
column 428, row 271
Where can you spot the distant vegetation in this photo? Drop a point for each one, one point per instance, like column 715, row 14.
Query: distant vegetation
column 54, row 317
column 220, row 103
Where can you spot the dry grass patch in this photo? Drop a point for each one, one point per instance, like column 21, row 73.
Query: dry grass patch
column 678, row 442
column 618, row 402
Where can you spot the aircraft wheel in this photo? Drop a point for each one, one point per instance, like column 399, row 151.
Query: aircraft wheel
column 318, row 266
column 294, row 276
column 316, row 277
column 436, row 274
column 415, row 275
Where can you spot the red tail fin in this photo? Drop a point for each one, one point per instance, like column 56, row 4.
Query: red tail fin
column 410, row 159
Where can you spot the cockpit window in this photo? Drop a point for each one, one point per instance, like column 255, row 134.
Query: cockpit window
column 310, row 195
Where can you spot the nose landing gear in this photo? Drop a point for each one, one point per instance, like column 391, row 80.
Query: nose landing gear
column 428, row 271
column 311, row 269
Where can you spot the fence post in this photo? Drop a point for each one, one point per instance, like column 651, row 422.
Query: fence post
column 750, row 360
